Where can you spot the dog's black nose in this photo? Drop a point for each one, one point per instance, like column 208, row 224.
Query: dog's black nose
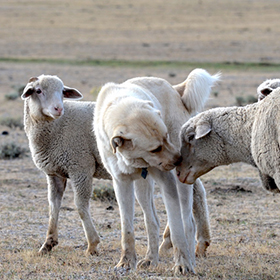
column 179, row 160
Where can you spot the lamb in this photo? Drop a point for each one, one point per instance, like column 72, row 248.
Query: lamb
column 267, row 87
column 63, row 149
column 222, row 136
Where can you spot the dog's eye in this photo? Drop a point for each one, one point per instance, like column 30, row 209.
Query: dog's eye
column 157, row 150
column 38, row 91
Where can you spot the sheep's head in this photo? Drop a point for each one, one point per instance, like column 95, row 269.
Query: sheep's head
column 46, row 95
column 265, row 88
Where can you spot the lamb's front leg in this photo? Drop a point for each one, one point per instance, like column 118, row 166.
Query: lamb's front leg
column 124, row 191
column 182, row 257
column 56, row 187
column 82, row 187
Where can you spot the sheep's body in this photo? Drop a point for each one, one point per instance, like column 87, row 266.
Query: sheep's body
column 66, row 146
column 222, row 136
column 63, row 146
column 266, row 138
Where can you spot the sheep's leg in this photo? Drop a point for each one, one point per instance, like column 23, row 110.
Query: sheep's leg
column 201, row 215
column 56, row 187
column 268, row 183
column 167, row 183
column 124, row 191
column 144, row 191
column 82, row 193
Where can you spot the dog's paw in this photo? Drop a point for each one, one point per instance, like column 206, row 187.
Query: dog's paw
column 182, row 265
column 142, row 264
column 127, row 263
column 201, row 248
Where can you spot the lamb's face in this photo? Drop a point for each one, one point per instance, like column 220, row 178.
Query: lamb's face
column 198, row 157
column 46, row 94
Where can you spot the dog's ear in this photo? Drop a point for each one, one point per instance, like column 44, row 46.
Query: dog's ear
column 118, row 141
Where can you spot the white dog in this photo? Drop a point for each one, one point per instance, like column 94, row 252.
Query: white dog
column 137, row 124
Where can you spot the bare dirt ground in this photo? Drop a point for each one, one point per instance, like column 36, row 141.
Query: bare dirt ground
column 244, row 218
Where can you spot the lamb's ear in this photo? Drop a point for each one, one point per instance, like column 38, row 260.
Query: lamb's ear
column 202, row 129
column 29, row 88
column 266, row 91
column 71, row 93
column 119, row 141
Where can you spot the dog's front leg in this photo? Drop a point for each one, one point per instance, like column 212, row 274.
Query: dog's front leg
column 167, row 183
column 125, row 197
column 186, row 201
column 144, row 191
column 201, row 216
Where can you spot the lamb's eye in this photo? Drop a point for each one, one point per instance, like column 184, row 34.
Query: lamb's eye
column 157, row 150
column 38, row 91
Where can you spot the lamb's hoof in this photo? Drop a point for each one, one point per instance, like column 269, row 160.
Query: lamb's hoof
column 201, row 248
column 165, row 246
column 92, row 250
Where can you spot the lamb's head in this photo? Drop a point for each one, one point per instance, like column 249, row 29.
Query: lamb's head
column 265, row 88
column 201, row 148
column 45, row 96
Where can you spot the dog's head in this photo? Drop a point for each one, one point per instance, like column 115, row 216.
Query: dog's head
column 142, row 140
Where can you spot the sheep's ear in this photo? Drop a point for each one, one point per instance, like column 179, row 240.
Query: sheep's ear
column 266, row 91
column 202, row 130
column 119, row 141
column 29, row 89
column 71, row 93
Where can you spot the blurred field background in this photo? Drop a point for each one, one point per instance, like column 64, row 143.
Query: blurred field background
column 88, row 43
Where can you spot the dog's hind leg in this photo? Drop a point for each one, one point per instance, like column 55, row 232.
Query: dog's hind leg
column 124, row 191
column 201, row 215
column 144, row 191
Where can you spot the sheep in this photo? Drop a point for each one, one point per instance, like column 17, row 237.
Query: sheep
column 267, row 87
column 222, row 136
column 63, row 146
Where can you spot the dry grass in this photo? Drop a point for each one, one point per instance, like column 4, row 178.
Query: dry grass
column 244, row 218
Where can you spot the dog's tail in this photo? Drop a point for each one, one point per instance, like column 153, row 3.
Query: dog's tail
column 196, row 89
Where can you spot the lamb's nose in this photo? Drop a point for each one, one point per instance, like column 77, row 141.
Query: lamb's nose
column 58, row 109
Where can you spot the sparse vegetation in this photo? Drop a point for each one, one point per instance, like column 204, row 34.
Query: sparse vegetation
column 241, row 101
column 12, row 96
column 12, row 122
column 11, row 150
column 104, row 193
